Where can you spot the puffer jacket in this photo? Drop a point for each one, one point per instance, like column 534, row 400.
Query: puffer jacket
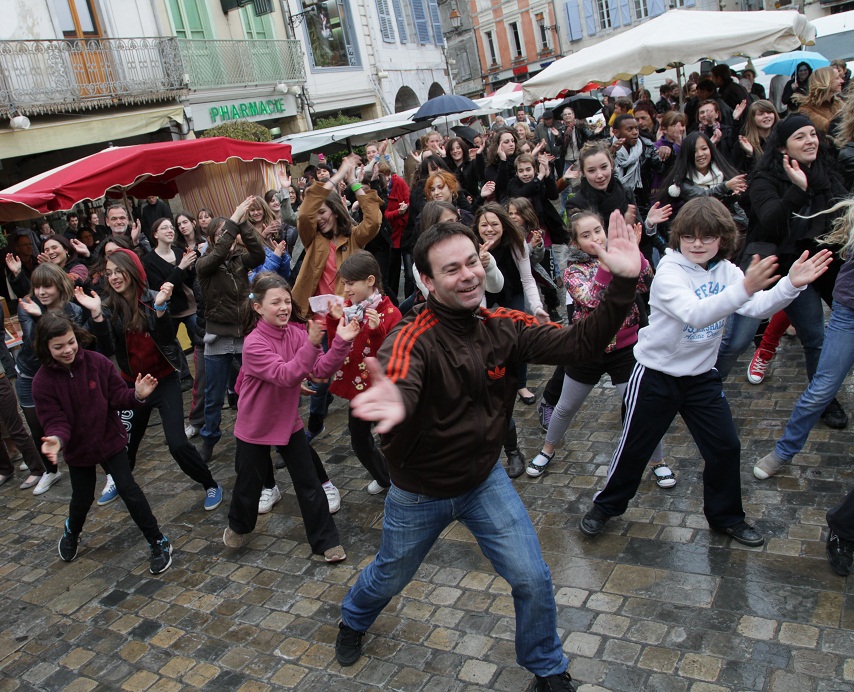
column 224, row 278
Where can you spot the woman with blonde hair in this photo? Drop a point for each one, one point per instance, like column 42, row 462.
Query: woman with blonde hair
column 823, row 98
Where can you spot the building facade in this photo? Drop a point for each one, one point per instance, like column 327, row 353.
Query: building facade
column 78, row 75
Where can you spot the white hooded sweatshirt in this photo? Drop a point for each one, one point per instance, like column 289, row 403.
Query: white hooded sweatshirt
column 689, row 306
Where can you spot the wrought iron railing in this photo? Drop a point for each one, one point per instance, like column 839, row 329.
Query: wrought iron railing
column 215, row 63
column 52, row 75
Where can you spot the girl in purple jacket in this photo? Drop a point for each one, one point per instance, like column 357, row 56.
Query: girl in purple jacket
column 78, row 395
column 279, row 352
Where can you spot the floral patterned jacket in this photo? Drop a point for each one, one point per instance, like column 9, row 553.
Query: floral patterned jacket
column 586, row 280
column 353, row 376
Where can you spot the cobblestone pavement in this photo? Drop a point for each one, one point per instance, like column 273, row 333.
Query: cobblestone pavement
column 656, row 603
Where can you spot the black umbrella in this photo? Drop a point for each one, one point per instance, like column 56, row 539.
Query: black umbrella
column 584, row 106
column 465, row 132
column 446, row 104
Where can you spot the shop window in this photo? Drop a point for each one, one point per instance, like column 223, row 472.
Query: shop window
column 330, row 35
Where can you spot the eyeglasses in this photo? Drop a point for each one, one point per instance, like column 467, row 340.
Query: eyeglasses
column 110, row 273
column 706, row 239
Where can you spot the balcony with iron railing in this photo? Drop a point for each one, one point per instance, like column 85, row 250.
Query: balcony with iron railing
column 54, row 75
column 213, row 63
column 58, row 75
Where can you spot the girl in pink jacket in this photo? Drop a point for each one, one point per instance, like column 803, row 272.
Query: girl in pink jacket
column 278, row 354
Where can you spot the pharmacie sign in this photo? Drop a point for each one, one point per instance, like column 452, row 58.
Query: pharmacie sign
column 207, row 115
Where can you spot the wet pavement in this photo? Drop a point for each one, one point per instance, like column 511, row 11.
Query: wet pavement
column 655, row 603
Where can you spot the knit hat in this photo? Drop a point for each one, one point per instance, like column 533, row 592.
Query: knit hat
column 786, row 128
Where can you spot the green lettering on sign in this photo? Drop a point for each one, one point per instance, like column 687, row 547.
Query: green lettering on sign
column 244, row 111
column 214, row 112
column 223, row 112
column 253, row 109
column 262, row 108
column 235, row 114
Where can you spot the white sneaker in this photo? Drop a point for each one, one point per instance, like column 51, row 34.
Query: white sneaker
column 47, row 480
column 191, row 431
column 333, row 497
column 23, row 466
column 375, row 488
column 269, row 498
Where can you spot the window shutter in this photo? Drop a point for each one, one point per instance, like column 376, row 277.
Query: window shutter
column 614, row 12
column 590, row 17
column 436, row 20
column 656, row 7
column 573, row 19
column 422, row 27
column 263, row 7
column 401, row 21
column 386, row 24
column 625, row 12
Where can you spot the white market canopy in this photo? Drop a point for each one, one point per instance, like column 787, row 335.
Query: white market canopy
column 675, row 37
column 354, row 134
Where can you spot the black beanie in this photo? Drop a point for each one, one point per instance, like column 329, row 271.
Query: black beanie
column 792, row 124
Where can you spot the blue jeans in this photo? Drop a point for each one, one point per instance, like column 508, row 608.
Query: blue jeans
column 807, row 316
column 496, row 516
column 837, row 357
column 217, row 374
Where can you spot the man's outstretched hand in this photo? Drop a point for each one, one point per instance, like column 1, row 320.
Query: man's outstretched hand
column 382, row 402
column 621, row 255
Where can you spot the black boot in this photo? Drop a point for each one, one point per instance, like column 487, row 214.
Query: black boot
column 515, row 463
column 515, row 460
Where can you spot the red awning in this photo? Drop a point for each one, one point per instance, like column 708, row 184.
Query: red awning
column 141, row 170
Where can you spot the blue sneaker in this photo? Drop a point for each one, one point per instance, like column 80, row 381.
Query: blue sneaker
column 213, row 498
column 109, row 494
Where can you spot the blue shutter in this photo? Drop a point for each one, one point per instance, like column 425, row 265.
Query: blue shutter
column 386, row 24
column 656, row 7
column 436, row 20
column 614, row 12
column 625, row 12
column 401, row 20
column 422, row 28
column 689, row 3
column 590, row 17
column 573, row 19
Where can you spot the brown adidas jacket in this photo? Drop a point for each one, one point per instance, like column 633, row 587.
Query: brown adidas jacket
column 457, row 372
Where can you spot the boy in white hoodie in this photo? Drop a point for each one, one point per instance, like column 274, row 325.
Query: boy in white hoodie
column 695, row 289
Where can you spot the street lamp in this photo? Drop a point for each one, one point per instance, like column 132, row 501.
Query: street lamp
column 456, row 18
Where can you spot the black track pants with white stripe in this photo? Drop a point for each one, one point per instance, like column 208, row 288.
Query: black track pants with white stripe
column 652, row 401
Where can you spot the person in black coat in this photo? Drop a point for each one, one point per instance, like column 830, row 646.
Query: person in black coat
column 793, row 180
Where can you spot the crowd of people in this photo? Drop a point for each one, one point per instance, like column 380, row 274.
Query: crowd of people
column 650, row 249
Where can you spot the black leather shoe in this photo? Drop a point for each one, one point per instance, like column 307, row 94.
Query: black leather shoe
column 834, row 416
column 515, row 463
column 348, row 645
column 553, row 683
column 593, row 522
column 528, row 400
column 744, row 533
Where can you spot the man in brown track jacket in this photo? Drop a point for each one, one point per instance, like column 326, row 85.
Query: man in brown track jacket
column 442, row 403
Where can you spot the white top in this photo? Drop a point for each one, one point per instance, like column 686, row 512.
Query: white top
column 689, row 306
